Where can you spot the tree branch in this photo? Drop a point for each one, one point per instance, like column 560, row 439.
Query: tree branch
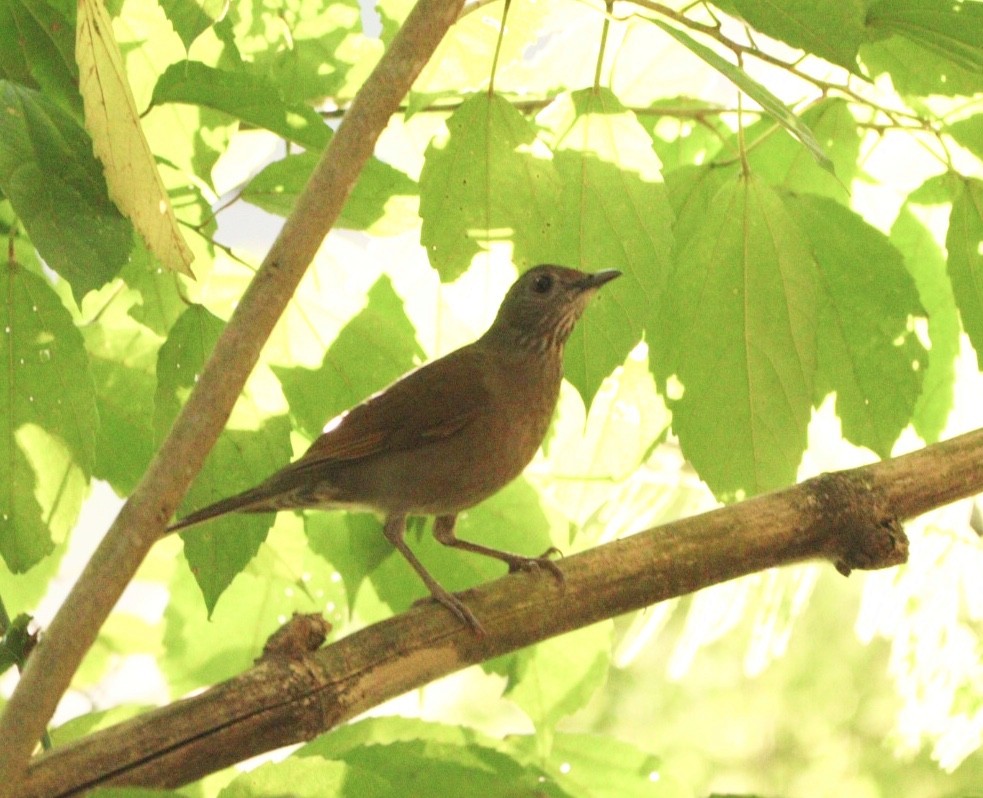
column 852, row 518
column 142, row 519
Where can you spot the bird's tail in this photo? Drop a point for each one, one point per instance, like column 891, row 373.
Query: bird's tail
column 254, row 500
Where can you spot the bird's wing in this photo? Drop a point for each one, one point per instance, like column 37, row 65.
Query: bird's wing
column 430, row 403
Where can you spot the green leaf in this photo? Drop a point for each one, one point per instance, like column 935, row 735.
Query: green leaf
column 22, row 592
column 612, row 212
column 926, row 264
column 218, row 552
column 14, row 642
column 969, row 133
column 57, row 188
column 421, row 760
column 936, row 46
column 743, row 314
column 952, row 29
column 327, row 54
column 200, row 651
column 123, row 358
column 374, row 349
column 771, row 104
column 308, row 778
column 559, row 676
column 276, row 188
column 782, row 162
column 915, row 70
column 132, row 792
column 241, row 458
column 161, row 301
column 868, row 351
column 244, row 96
column 489, row 181
column 681, row 141
column 352, row 542
column 191, row 18
column 830, row 30
column 591, row 458
column 49, row 419
column 119, row 140
column 602, row 767
column 964, row 243
column 37, row 49
column 344, row 740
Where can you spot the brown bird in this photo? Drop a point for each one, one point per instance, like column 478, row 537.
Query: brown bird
column 446, row 435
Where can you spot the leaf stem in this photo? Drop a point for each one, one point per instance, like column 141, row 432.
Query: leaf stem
column 605, row 27
column 498, row 48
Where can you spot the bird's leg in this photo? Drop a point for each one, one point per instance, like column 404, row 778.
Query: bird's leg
column 443, row 531
column 394, row 530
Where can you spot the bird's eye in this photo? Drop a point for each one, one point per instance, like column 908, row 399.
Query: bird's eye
column 542, row 283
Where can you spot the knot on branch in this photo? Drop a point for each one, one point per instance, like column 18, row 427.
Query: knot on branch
column 303, row 634
column 858, row 527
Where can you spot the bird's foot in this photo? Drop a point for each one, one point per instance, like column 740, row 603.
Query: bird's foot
column 457, row 607
column 543, row 562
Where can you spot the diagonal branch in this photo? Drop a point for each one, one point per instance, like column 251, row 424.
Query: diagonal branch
column 852, row 518
column 179, row 459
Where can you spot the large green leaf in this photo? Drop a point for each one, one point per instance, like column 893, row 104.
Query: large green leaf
column 743, row 314
column 488, row 181
column 952, row 29
column 830, row 30
column 284, row 577
column 424, row 759
column 375, row 348
column 917, row 70
column 327, row 56
column 771, row 104
column 49, row 419
column 308, row 778
column 964, row 243
column 602, row 767
column 612, row 212
column 119, row 140
column 37, row 49
column 932, row 46
column 190, row 18
column 380, row 186
column 681, row 141
column 247, row 97
column 591, row 458
column 926, row 264
column 132, row 792
column 868, row 351
column 559, row 676
column 969, row 133
column 241, row 458
column 781, row 161
column 124, row 357
column 57, row 188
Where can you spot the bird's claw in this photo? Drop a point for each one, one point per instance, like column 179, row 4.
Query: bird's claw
column 457, row 607
column 542, row 562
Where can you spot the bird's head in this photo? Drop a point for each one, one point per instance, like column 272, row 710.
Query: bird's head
column 542, row 306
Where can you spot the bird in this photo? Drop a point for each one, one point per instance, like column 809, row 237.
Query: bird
column 446, row 435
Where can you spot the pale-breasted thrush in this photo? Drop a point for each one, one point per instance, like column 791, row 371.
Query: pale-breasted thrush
column 446, row 435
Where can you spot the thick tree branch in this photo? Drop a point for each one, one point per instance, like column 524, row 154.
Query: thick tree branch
column 179, row 459
column 852, row 518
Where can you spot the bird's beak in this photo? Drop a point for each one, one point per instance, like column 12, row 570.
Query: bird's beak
column 597, row 279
